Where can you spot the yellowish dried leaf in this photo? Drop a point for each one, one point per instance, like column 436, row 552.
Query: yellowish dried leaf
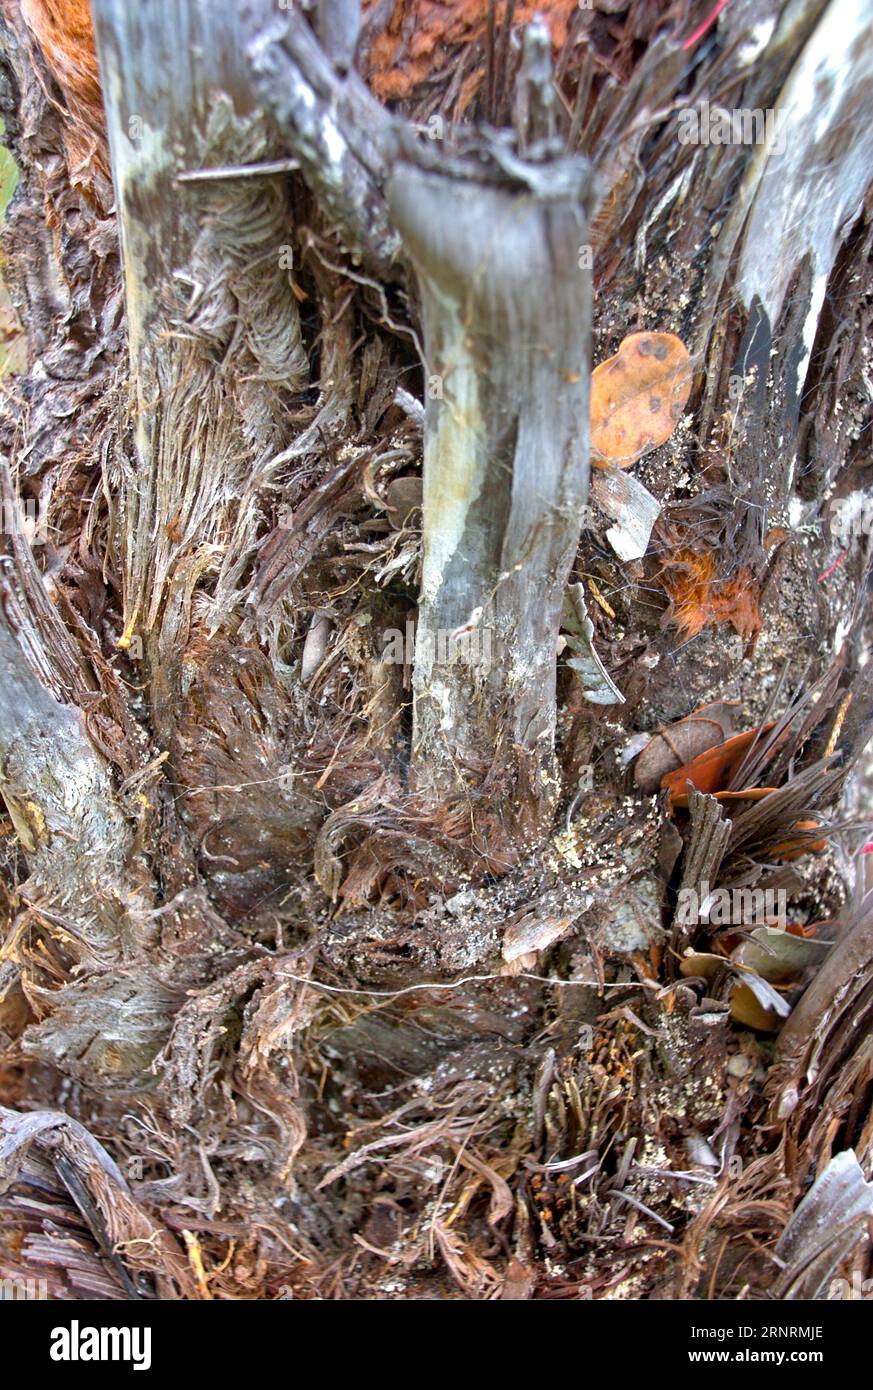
column 637, row 398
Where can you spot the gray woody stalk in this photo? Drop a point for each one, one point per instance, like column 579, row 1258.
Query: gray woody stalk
column 495, row 240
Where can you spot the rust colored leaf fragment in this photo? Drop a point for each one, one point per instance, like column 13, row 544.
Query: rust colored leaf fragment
column 637, row 398
column 697, row 597
column 712, row 770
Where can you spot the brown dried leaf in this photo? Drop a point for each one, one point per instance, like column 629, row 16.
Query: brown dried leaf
column 403, row 498
column 753, row 1001
column 712, row 770
column 407, row 43
column 637, row 397
column 533, row 934
column 669, row 748
column 748, row 1010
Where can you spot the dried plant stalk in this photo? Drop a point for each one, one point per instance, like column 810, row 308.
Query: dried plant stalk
column 506, row 312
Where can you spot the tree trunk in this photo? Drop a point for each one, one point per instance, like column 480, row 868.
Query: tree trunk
column 369, row 956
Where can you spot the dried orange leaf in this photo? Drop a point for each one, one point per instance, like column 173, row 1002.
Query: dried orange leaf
column 747, row 1009
column 710, row 770
column 802, row 841
column 637, row 397
column 677, row 744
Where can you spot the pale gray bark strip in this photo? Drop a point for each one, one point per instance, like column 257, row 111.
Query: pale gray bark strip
column 506, row 311
column 59, row 795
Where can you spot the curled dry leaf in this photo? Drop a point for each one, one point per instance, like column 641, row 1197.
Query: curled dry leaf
column 768, row 957
column 779, row 955
column 679, row 743
column 637, row 397
column 597, row 685
column 754, row 1003
column 747, row 794
column 315, row 646
column 712, row 770
column 803, row 838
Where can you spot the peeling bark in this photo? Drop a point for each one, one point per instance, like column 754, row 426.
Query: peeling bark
column 506, row 312
column 60, row 797
column 810, row 178
column 332, row 124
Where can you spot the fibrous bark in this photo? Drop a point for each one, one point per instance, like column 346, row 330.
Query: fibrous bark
column 417, row 1080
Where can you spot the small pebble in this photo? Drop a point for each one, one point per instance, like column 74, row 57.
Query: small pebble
column 739, row 1065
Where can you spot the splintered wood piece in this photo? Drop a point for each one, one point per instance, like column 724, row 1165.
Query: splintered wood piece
column 633, row 509
column 710, row 836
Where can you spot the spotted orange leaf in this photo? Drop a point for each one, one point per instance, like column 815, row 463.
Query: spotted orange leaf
column 637, row 397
